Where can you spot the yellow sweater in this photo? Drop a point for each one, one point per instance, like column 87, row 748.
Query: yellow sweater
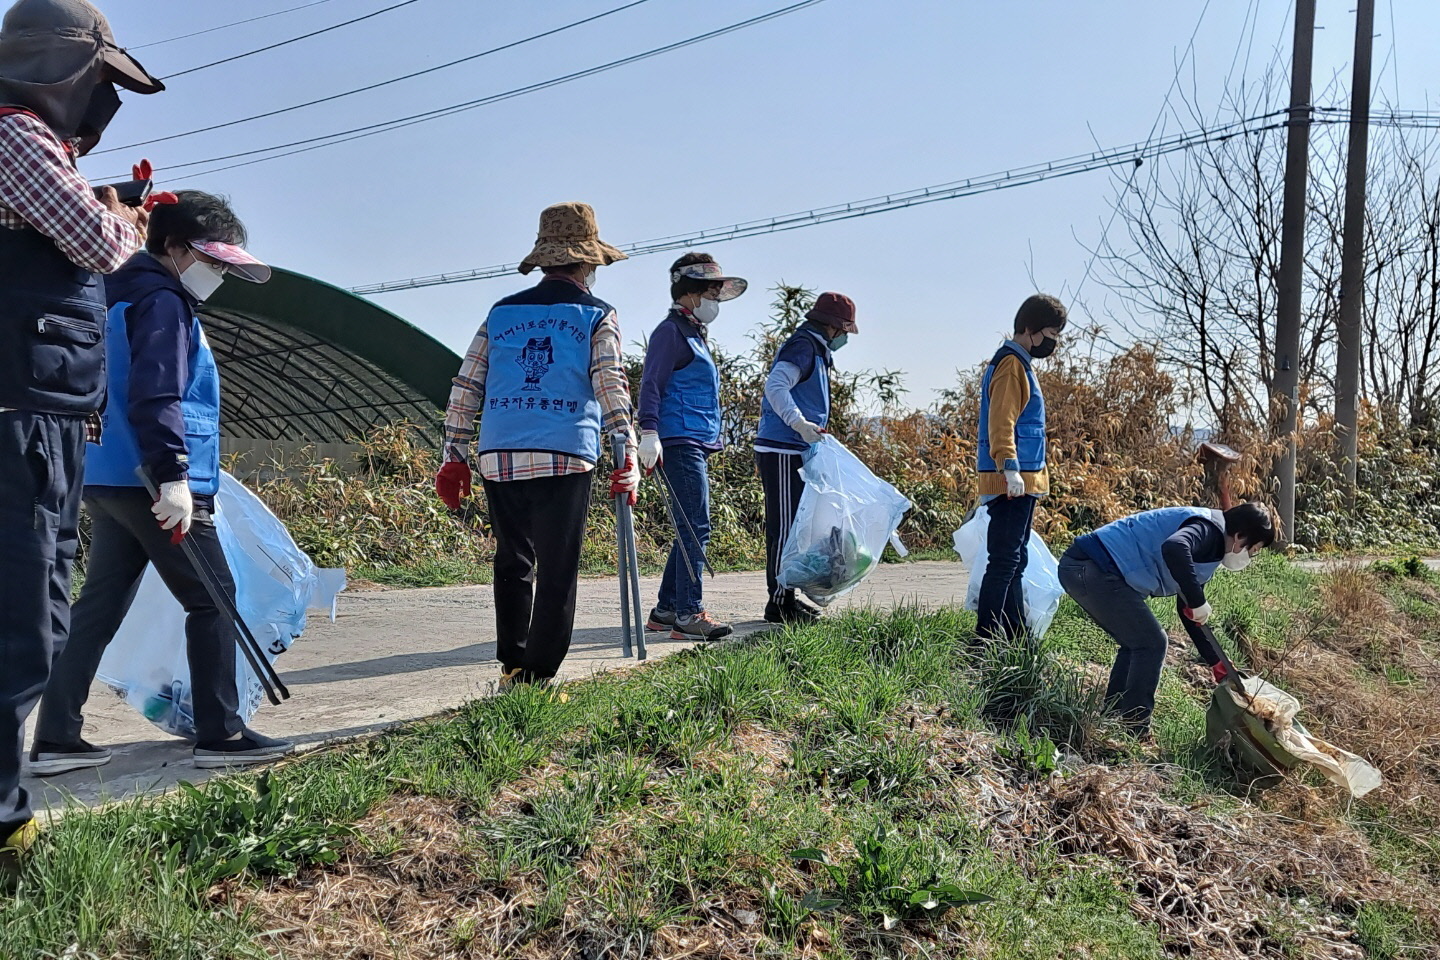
column 1009, row 393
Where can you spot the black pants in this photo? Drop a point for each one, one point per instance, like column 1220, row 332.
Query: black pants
column 125, row 538
column 41, row 457
column 1122, row 612
column 1002, row 595
column 538, row 524
column 780, row 477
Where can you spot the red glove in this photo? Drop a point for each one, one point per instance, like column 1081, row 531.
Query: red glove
column 626, row 479
column 143, row 171
column 1220, row 672
column 452, row 483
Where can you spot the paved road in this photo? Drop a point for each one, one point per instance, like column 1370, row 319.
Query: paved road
column 396, row 655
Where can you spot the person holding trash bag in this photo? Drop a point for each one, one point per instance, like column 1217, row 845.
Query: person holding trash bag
column 793, row 415
column 59, row 66
column 543, row 376
column 679, row 429
column 1011, row 461
column 162, row 416
column 1170, row 552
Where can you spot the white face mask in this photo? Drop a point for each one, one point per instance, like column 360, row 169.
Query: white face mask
column 1236, row 561
column 707, row 311
column 589, row 280
column 200, row 279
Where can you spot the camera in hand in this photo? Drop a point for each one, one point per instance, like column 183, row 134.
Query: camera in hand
column 132, row 193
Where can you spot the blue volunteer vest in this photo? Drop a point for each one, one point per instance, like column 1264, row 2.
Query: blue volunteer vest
column 1134, row 544
column 113, row 461
column 690, row 403
column 1029, row 428
column 811, row 395
column 538, row 394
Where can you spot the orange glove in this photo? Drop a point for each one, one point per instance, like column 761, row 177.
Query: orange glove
column 452, row 483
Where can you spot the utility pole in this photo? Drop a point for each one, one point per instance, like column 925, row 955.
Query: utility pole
column 1292, row 261
column 1352, row 255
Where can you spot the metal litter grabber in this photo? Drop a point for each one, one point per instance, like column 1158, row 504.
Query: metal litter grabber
column 264, row 671
column 672, row 505
column 632, row 641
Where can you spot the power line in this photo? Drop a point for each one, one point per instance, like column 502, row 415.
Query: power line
column 374, row 86
column 357, row 133
column 1015, row 177
column 303, row 36
column 227, row 26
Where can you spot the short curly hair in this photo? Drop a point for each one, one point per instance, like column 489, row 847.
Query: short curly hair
column 1039, row 311
column 197, row 217
column 686, row 285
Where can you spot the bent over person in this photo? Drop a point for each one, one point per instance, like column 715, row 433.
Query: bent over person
column 544, row 377
column 59, row 65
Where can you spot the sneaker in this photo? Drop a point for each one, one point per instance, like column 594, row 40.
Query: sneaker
column 700, row 626
column 661, row 620
column 250, row 747
column 791, row 611
column 49, row 759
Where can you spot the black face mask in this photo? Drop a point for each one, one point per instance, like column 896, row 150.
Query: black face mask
column 104, row 104
column 1044, row 348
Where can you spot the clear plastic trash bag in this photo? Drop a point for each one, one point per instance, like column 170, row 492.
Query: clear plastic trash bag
column 1041, row 579
column 276, row 585
column 845, row 518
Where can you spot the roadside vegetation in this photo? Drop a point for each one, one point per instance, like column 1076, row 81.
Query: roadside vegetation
column 859, row 788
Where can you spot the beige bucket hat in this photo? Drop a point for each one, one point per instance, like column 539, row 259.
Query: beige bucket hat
column 569, row 234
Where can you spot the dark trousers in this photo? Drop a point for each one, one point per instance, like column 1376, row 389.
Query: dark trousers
column 125, row 538
column 1122, row 612
column 688, row 482
column 538, row 524
column 41, row 459
column 1002, row 596
column 780, row 477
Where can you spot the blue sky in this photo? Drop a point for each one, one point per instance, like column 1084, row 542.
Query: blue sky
column 844, row 100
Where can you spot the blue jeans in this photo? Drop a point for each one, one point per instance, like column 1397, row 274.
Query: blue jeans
column 1002, row 594
column 689, row 481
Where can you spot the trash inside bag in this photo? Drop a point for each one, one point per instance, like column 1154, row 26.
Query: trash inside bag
column 276, row 584
column 845, row 518
column 1041, row 580
column 1257, row 728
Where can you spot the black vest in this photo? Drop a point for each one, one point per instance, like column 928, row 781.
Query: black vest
column 52, row 328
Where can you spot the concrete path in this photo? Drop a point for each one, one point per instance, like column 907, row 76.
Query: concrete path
column 397, row 655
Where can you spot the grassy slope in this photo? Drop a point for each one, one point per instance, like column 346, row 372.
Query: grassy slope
column 657, row 814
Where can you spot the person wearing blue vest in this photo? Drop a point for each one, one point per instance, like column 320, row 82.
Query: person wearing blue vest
column 59, row 66
column 544, row 377
column 680, row 421
column 1011, row 461
column 162, row 415
column 793, row 414
column 1170, row 552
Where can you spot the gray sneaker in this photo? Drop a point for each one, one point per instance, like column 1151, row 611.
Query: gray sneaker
column 700, row 626
column 661, row 620
column 248, row 748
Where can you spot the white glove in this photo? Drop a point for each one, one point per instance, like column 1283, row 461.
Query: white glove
column 1014, row 484
column 807, row 430
column 174, row 506
column 1201, row 613
column 649, row 449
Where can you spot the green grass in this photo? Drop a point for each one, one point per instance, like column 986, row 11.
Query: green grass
column 808, row 789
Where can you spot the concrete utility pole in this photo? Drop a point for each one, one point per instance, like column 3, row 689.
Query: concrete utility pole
column 1292, row 261
column 1352, row 255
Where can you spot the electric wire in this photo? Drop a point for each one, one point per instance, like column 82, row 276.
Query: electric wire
column 373, row 86
column 357, row 133
column 282, row 43
column 1006, row 179
column 227, row 26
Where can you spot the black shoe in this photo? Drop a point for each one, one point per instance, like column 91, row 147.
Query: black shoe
column 250, row 747
column 50, row 759
column 792, row 611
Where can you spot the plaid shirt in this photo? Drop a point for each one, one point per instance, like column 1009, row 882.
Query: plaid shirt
column 467, row 396
column 41, row 189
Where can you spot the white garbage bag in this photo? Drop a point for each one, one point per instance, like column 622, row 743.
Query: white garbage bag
column 845, row 518
column 1041, row 580
column 276, row 584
